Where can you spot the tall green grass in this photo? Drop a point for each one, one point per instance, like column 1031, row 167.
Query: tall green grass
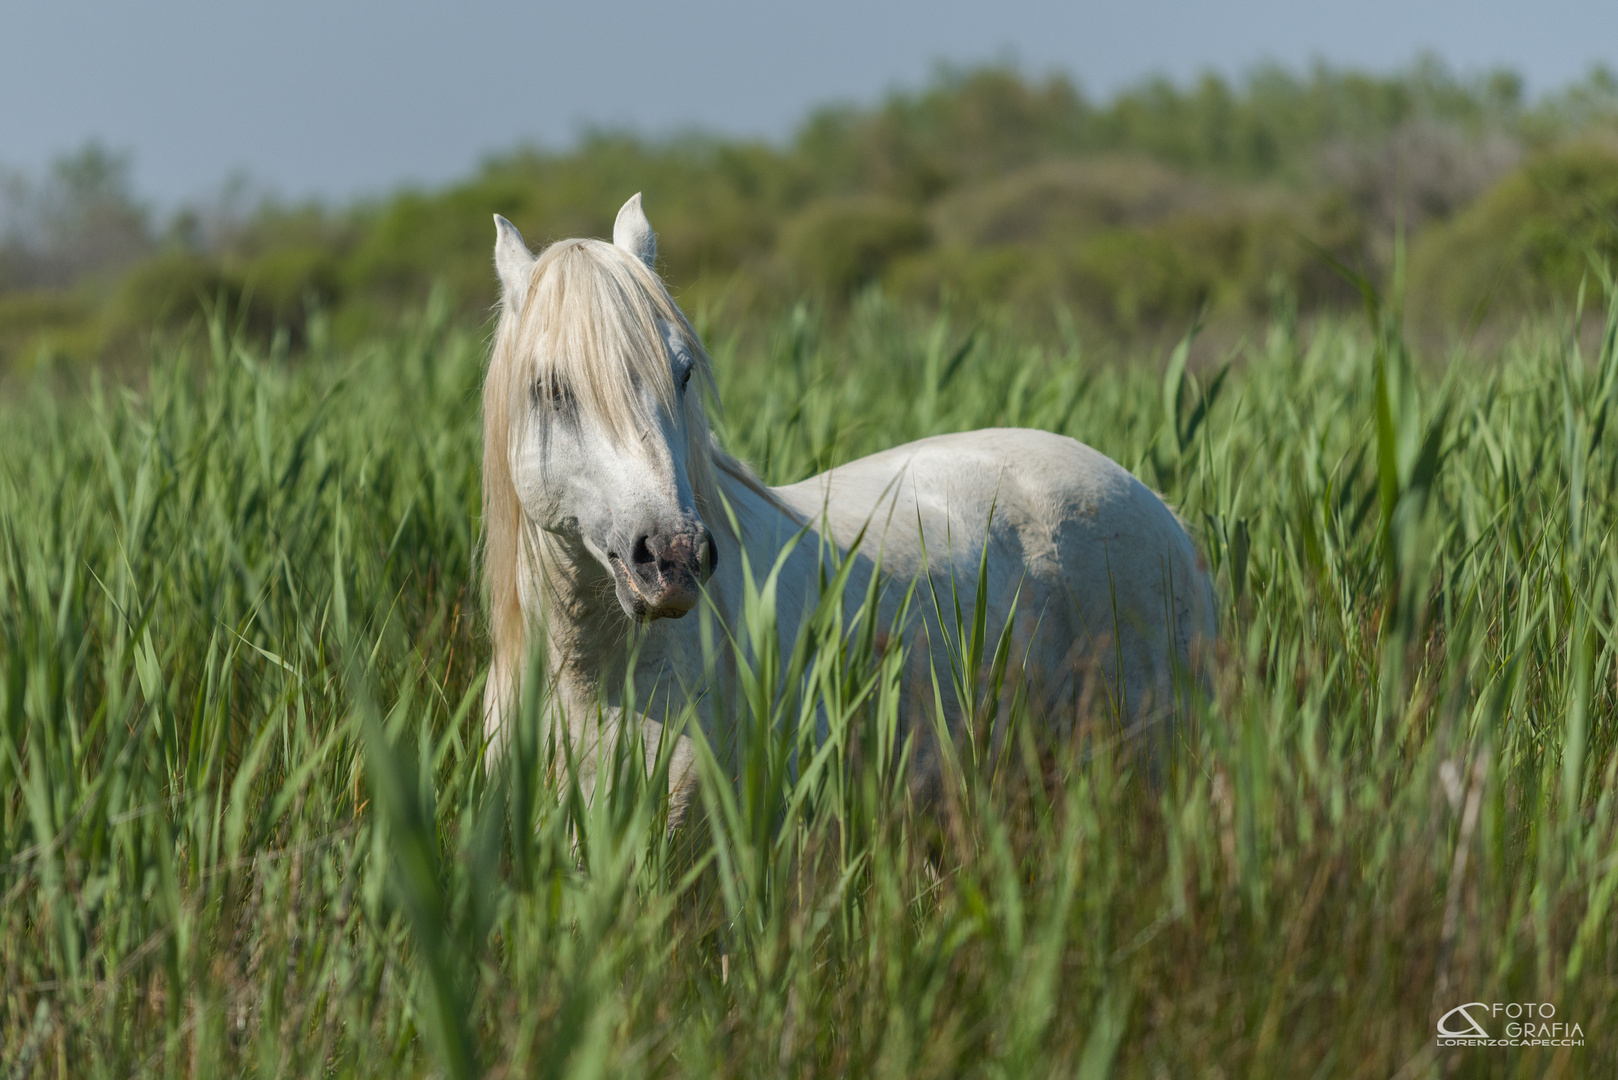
column 246, row 828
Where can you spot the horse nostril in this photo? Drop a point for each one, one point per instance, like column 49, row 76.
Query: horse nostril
column 641, row 553
column 710, row 551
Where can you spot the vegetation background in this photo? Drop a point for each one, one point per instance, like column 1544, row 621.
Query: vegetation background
column 984, row 190
column 246, row 827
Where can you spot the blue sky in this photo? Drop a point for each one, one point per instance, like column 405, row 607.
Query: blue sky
column 343, row 98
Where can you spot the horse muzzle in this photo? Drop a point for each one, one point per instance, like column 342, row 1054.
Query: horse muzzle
column 663, row 576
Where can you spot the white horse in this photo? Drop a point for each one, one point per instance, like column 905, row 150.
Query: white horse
column 605, row 515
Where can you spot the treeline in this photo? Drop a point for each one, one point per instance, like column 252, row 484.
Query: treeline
column 986, row 188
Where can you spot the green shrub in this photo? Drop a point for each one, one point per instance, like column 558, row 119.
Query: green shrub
column 1136, row 276
column 171, row 290
column 1527, row 242
column 418, row 239
column 836, row 246
column 1062, row 201
column 46, row 324
column 285, row 283
column 1020, row 278
column 1228, row 260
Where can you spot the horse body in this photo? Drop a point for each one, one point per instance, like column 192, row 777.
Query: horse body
column 1108, row 593
column 610, row 514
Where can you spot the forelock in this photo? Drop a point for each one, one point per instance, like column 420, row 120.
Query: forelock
column 594, row 319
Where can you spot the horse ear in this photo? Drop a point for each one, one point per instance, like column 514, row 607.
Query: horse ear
column 634, row 234
column 513, row 262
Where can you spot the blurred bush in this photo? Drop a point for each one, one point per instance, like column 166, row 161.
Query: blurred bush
column 1528, row 241
column 1064, row 200
column 170, row 289
column 42, row 326
column 984, row 188
column 836, row 246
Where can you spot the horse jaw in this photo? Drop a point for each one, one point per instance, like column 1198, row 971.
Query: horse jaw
column 634, row 234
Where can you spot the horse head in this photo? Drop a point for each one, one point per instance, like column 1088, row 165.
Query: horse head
column 593, row 409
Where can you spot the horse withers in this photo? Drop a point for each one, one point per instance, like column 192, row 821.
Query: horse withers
column 610, row 513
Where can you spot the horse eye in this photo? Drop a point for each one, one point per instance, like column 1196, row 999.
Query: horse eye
column 685, row 376
column 552, row 391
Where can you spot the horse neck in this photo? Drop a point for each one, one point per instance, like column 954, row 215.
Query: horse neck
column 764, row 526
column 585, row 631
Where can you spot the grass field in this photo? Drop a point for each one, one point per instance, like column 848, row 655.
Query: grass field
column 245, row 828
